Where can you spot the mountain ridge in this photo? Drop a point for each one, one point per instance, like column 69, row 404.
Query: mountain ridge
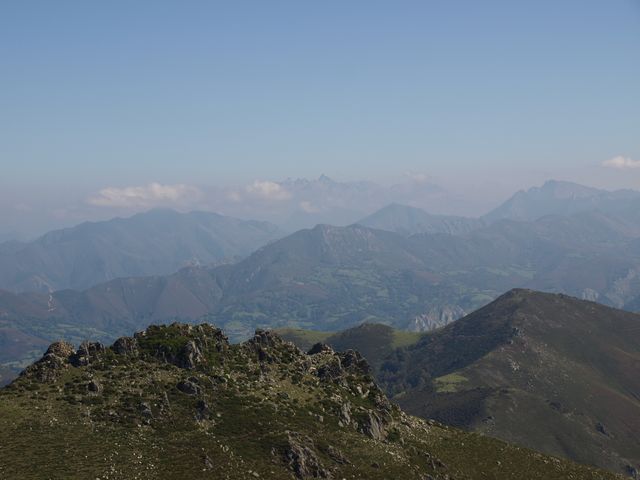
column 408, row 220
column 331, row 278
column 564, row 365
column 156, row 242
column 179, row 400
column 560, row 197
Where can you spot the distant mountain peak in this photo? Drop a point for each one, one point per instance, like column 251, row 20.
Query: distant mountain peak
column 409, row 220
column 159, row 241
column 324, row 179
column 565, row 189
column 559, row 197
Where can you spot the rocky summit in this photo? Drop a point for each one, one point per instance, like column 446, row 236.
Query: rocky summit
column 180, row 401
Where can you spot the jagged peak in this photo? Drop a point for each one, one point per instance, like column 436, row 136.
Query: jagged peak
column 193, row 347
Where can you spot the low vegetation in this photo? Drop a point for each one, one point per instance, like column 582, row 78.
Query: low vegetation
column 181, row 402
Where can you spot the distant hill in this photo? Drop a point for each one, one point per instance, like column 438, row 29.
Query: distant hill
column 563, row 198
column 324, row 200
column 180, row 402
column 332, row 278
column 408, row 220
column 158, row 242
column 546, row 371
column 373, row 340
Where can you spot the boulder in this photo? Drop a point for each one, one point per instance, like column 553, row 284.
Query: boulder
column 320, row 348
column 188, row 387
column 94, row 386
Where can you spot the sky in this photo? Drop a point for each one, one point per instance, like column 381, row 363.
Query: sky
column 167, row 99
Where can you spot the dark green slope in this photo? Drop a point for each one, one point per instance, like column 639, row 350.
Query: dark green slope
column 180, row 402
column 546, row 371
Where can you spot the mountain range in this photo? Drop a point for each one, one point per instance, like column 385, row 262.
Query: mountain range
column 297, row 203
column 546, row 371
column 565, row 198
column 179, row 401
column 411, row 272
column 158, row 242
column 411, row 220
column 397, row 286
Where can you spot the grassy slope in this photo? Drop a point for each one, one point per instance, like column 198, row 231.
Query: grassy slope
column 546, row 371
column 569, row 367
column 374, row 341
column 58, row 429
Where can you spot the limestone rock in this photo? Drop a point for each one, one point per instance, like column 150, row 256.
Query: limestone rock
column 51, row 365
column 302, row 459
column 87, row 352
column 125, row 346
column 60, row 349
column 373, row 425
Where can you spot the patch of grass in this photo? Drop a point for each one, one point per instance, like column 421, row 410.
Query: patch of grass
column 449, row 383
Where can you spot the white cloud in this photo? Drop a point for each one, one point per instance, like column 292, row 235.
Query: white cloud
column 417, row 177
column 268, row 190
column 154, row 194
column 234, row 196
column 308, row 207
column 621, row 163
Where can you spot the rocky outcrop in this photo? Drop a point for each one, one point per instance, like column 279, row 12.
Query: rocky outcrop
column 435, row 318
column 269, row 347
column 353, row 362
column 373, row 425
column 302, row 459
column 125, row 346
column 320, row 348
column 51, row 365
column 60, row 350
column 86, row 353
column 188, row 387
column 180, row 344
column 190, row 356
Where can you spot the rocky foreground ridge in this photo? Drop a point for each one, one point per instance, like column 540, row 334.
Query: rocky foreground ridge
column 180, row 401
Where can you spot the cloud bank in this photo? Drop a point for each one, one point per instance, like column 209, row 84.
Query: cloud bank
column 621, row 163
column 151, row 195
column 268, row 190
column 292, row 203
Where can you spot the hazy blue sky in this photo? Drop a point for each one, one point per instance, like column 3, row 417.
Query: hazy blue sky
column 124, row 93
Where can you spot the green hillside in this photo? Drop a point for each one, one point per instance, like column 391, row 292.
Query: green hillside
column 546, row 371
column 180, row 402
